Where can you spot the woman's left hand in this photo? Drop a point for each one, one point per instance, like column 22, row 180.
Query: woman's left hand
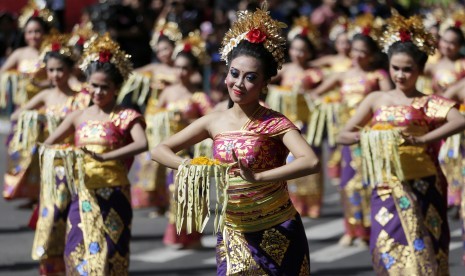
column 244, row 171
column 413, row 140
column 94, row 155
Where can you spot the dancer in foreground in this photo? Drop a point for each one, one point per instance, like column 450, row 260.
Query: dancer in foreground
column 409, row 232
column 262, row 233
column 99, row 219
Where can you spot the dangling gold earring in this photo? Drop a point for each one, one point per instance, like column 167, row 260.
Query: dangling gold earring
column 265, row 90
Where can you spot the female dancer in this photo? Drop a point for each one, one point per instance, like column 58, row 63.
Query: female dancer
column 364, row 77
column 184, row 103
column 296, row 76
column 410, row 233
column 148, row 179
column 55, row 103
column 448, row 70
column 99, row 219
column 263, row 234
column 25, row 60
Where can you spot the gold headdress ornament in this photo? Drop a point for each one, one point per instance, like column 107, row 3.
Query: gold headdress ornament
column 168, row 29
column 302, row 26
column 256, row 27
column 194, row 44
column 366, row 24
column 404, row 29
column 57, row 43
column 104, row 49
column 341, row 25
column 433, row 18
column 35, row 9
column 81, row 35
column 457, row 19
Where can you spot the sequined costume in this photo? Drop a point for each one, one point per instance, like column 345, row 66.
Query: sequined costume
column 194, row 107
column 410, row 233
column 355, row 194
column 306, row 192
column 263, row 233
column 49, row 239
column 99, row 220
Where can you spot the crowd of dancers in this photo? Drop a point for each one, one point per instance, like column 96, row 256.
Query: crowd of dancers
column 93, row 138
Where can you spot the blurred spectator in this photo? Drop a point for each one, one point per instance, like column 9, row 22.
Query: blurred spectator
column 8, row 35
column 127, row 25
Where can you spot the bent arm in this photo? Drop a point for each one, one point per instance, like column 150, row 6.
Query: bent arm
column 10, row 63
column 350, row 134
column 455, row 123
column 305, row 163
column 138, row 145
column 65, row 129
column 453, row 91
column 35, row 103
column 327, row 85
column 165, row 152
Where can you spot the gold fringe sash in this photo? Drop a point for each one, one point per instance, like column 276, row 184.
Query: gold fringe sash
column 139, row 85
column 379, row 153
column 159, row 127
column 27, row 130
column 323, row 114
column 193, row 194
column 450, row 150
column 9, row 79
column 73, row 162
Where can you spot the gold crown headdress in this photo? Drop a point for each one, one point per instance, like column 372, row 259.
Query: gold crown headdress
column 256, row 27
column 341, row 25
column 302, row 26
column 35, row 9
column 194, row 44
column 366, row 24
column 104, row 49
column 57, row 43
column 457, row 19
column 81, row 35
column 168, row 29
column 433, row 18
column 404, row 29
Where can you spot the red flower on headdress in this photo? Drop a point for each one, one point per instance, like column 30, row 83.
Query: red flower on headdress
column 404, row 35
column 255, row 36
column 304, row 32
column 104, row 56
column 345, row 26
column 56, row 46
column 161, row 33
column 81, row 41
column 35, row 13
column 187, row 48
column 366, row 30
column 458, row 23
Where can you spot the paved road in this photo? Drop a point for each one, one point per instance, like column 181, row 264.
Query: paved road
column 150, row 257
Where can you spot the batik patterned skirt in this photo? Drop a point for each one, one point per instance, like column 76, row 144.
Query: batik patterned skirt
column 98, row 232
column 280, row 250
column 355, row 194
column 410, row 232
column 49, row 239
